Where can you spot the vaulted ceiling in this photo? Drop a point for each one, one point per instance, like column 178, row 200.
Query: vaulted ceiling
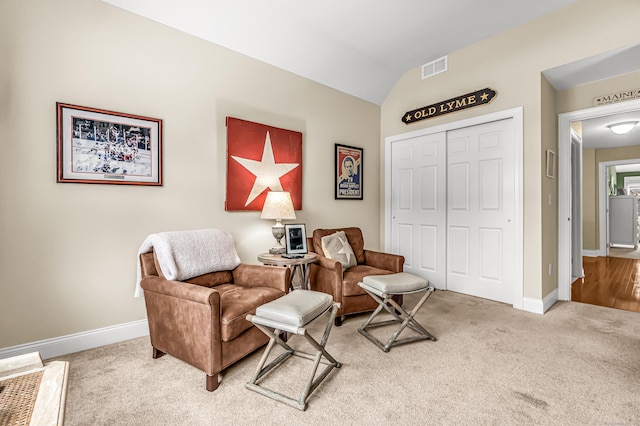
column 360, row 47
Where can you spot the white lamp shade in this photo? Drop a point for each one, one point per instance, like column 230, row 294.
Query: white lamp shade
column 278, row 205
column 622, row 127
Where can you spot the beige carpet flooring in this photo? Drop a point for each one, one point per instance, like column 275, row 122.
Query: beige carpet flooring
column 492, row 365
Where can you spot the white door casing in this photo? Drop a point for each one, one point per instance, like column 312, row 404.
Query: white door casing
column 577, row 269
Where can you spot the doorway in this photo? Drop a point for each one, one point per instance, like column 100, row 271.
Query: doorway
column 565, row 188
column 436, row 209
column 610, row 226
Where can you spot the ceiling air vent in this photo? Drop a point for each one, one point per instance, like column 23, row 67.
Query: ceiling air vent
column 434, row 67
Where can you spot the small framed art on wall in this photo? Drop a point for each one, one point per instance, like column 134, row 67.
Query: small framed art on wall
column 348, row 172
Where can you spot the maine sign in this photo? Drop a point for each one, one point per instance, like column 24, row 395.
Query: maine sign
column 627, row 95
column 470, row 100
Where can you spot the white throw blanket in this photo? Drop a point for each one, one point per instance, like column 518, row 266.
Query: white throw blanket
column 187, row 254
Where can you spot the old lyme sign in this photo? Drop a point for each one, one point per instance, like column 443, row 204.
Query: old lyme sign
column 470, row 100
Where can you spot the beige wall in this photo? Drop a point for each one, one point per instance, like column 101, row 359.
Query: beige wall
column 589, row 200
column 511, row 64
column 549, row 187
column 576, row 126
column 581, row 97
column 68, row 251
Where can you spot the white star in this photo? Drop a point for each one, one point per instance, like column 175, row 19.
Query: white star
column 266, row 171
column 346, row 249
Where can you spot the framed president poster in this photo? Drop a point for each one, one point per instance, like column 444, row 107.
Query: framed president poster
column 348, row 172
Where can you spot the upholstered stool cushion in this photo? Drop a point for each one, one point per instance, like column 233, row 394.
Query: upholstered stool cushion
column 296, row 308
column 399, row 283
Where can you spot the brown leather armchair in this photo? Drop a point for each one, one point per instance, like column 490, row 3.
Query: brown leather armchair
column 202, row 321
column 327, row 275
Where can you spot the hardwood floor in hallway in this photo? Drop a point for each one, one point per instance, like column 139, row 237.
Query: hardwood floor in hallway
column 609, row 281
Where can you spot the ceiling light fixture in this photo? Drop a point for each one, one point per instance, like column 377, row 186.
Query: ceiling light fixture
column 623, row 127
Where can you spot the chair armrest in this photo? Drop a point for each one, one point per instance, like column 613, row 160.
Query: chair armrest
column 184, row 321
column 181, row 290
column 326, row 276
column 330, row 264
column 387, row 261
column 262, row 276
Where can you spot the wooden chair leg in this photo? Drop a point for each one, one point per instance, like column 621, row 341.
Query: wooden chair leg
column 156, row 353
column 212, row 382
column 338, row 321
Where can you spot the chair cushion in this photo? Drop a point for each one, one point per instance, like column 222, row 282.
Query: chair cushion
column 355, row 275
column 399, row 283
column 296, row 308
column 236, row 302
column 336, row 246
column 354, row 236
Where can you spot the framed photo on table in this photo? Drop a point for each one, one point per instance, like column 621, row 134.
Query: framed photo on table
column 295, row 238
column 99, row 146
column 348, row 172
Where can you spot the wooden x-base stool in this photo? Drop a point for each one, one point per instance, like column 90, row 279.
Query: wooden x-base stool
column 290, row 314
column 383, row 288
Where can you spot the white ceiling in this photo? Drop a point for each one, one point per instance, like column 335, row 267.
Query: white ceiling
column 360, row 47
column 594, row 68
column 595, row 133
column 363, row 47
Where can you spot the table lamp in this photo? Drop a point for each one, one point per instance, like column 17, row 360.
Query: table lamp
column 278, row 206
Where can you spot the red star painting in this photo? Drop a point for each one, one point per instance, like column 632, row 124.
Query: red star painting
column 260, row 159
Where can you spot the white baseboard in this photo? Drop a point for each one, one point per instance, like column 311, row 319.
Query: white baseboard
column 591, row 253
column 538, row 306
column 550, row 300
column 70, row 343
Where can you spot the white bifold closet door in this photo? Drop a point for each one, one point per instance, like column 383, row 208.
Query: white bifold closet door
column 480, row 211
column 418, row 205
column 453, row 206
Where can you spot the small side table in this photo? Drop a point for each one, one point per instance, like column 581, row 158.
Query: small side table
column 300, row 268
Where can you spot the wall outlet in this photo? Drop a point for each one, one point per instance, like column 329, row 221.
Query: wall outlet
column 550, row 269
